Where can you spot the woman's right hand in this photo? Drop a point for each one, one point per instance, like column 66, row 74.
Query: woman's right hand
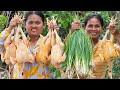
column 12, row 24
column 75, row 26
column 17, row 19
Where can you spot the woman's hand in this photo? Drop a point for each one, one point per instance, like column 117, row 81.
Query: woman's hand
column 113, row 27
column 12, row 24
column 53, row 25
column 75, row 26
column 113, row 30
column 56, row 27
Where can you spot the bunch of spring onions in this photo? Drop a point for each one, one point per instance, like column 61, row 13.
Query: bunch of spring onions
column 79, row 51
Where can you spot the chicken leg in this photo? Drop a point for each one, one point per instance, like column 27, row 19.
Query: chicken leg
column 110, row 65
column 58, row 40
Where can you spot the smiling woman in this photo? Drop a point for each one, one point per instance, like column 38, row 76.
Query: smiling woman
column 94, row 26
column 34, row 24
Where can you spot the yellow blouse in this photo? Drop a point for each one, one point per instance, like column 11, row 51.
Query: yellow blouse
column 100, row 63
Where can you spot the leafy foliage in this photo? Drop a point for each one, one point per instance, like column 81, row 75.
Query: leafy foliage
column 3, row 22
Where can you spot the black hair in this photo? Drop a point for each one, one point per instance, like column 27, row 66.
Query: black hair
column 92, row 16
column 39, row 13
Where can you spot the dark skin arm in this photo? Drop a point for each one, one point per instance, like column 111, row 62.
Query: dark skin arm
column 12, row 24
column 74, row 26
column 115, row 32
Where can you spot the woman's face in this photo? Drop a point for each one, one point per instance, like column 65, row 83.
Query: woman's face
column 34, row 25
column 94, row 28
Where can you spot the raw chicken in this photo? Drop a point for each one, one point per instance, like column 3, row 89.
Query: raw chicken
column 57, row 51
column 10, row 49
column 107, row 53
column 9, row 55
column 42, row 56
column 22, row 53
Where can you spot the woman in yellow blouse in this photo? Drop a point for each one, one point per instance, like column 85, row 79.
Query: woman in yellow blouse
column 34, row 24
column 94, row 26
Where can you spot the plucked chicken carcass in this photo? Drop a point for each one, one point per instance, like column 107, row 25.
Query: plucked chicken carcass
column 45, row 45
column 42, row 56
column 57, row 55
column 108, row 45
column 10, row 49
column 22, row 53
column 57, row 51
column 113, row 53
column 9, row 53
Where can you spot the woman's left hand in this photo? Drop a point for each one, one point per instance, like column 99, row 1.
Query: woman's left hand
column 113, row 30
column 53, row 25
column 56, row 27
